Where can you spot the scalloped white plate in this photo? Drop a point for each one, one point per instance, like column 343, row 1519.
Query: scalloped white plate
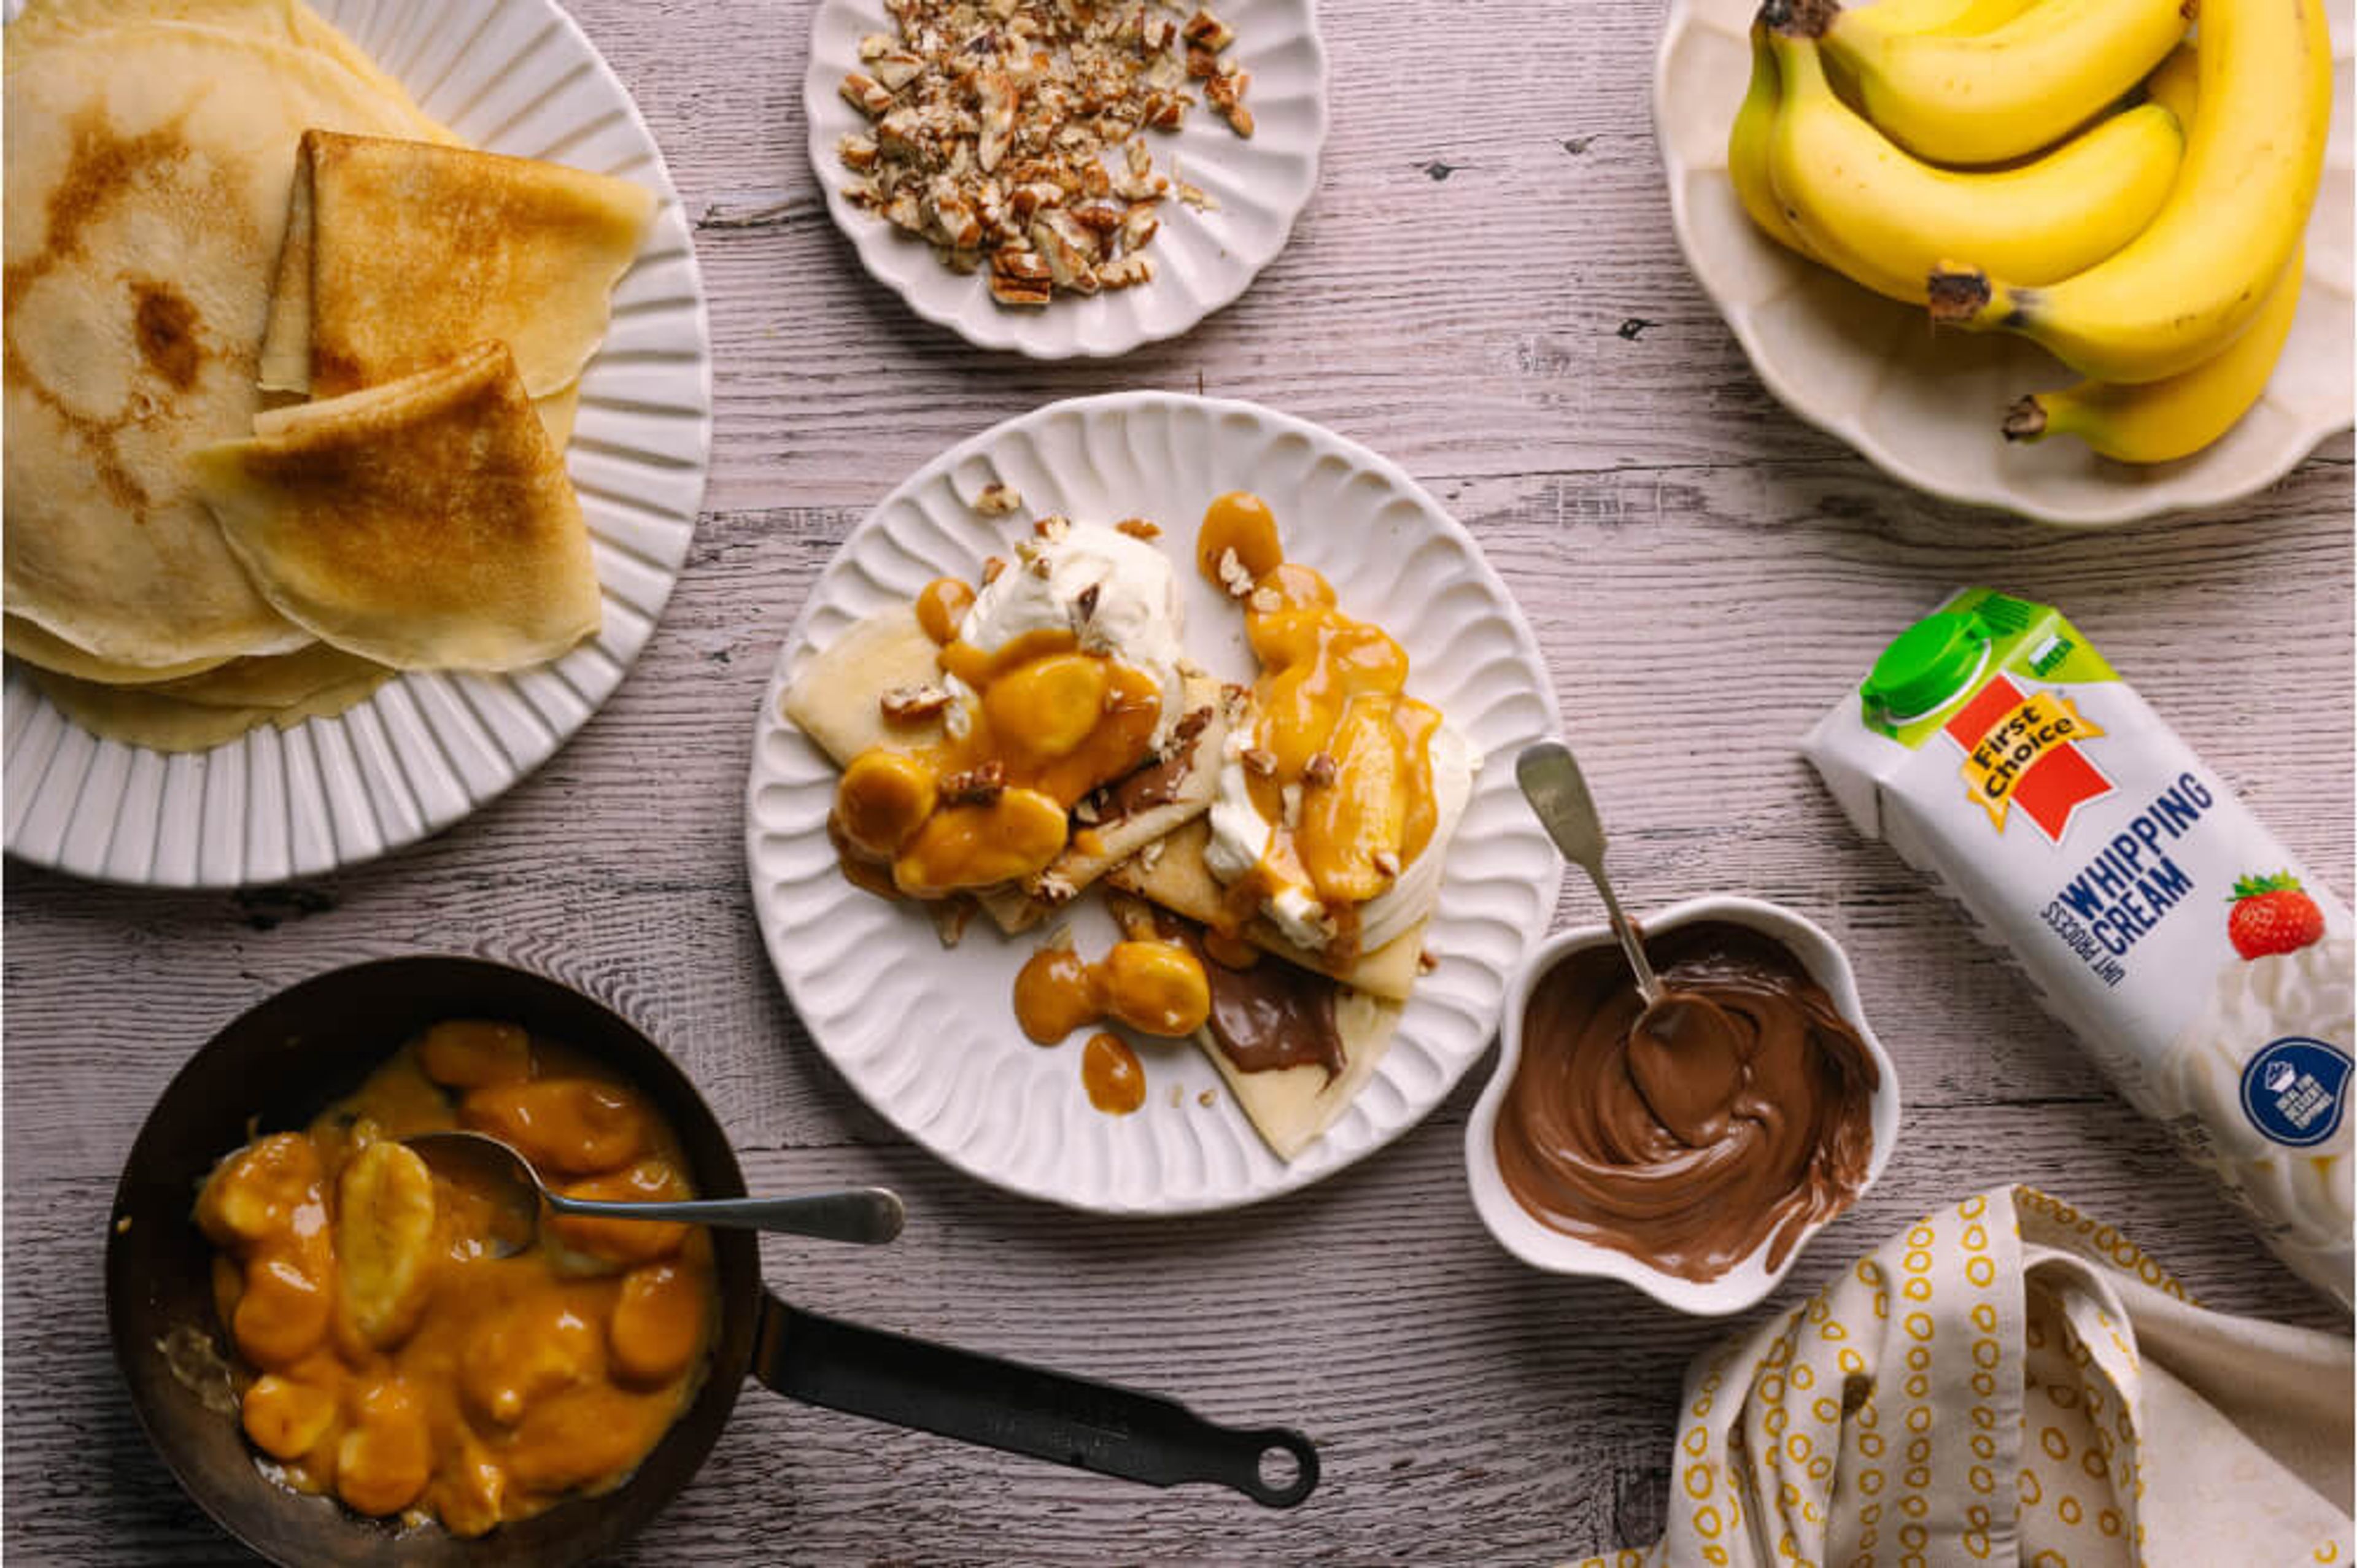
column 926, row 1034
column 515, row 77
column 1925, row 409
column 1202, row 261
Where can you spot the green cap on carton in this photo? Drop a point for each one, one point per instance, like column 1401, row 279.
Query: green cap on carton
column 1926, row 664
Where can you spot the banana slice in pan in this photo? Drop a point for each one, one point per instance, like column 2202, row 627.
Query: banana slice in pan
column 384, row 1242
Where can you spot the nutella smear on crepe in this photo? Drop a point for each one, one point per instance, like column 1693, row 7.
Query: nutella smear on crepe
column 1582, row 1148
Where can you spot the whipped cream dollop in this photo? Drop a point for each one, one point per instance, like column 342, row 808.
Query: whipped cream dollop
column 2305, row 1194
column 1116, row 594
column 1240, row 835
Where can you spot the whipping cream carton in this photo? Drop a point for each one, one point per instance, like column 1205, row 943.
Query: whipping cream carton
column 2206, row 970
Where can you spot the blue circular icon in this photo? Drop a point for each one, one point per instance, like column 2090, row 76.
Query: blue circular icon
column 2293, row 1090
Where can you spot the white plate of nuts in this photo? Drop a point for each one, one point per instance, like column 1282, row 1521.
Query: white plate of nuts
column 1066, row 179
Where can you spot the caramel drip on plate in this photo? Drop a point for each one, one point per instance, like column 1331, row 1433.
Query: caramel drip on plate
column 1155, row 987
column 1580, row 1147
column 1112, row 1075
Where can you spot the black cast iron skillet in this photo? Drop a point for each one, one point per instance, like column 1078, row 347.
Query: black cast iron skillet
column 278, row 1064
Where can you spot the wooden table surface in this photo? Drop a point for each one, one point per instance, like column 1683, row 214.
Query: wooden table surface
column 1485, row 289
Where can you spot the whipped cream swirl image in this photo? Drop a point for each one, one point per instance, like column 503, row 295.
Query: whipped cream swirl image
column 2301, row 1195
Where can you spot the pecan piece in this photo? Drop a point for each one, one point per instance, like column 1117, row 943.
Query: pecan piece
column 976, row 786
column 912, row 703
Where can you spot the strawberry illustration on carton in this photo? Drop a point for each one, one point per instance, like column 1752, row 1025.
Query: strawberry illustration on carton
column 1997, row 751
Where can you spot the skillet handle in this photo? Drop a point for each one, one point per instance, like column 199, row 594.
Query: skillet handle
column 1023, row 1409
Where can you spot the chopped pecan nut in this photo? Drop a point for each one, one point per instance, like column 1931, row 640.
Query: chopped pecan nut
column 998, row 499
column 976, row 786
column 1052, row 527
column 1426, row 961
column 1054, row 889
column 912, row 705
column 1126, row 272
column 1206, row 31
column 1137, row 528
column 1260, row 762
column 1087, row 601
column 1386, row 862
column 992, row 566
column 1319, row 771
column 866, row 94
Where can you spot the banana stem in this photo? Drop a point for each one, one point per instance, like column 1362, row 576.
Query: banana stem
column 2026, row 420
column 1799, row 18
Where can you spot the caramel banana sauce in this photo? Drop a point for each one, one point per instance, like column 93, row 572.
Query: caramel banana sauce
column 1581, row 1148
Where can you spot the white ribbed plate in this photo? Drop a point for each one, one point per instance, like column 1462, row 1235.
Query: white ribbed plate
column 1925, row 409
column 928, row 1034
column 513, row 77
column 1202, row 260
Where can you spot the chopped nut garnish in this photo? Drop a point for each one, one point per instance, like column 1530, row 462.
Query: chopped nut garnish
column 1054, row 889
column 1086, row 812
column 1426, row 961
column 1207, row 30
column 1086, row 603
column 1126, row 272
column 991, row 567
column 866, row 95
column 1260, row 761
column 1319, row 771
column 1052, row 527
column 1234, row 576
column 1386, row 862
column 1039, row 564
column 1289, row 802
column 1178, row 1094
column 976, row 786
column 998, row 499
column 1137, row 528
column 1209, row 1097
column 912, row 705
column 994, row 119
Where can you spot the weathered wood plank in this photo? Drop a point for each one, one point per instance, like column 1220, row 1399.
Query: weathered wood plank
column 1705, row 575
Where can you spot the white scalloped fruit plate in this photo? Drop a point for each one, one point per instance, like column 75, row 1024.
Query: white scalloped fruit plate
column 515, row 77
column 1202, row 261
column 926, row 1034
column 1925, row 409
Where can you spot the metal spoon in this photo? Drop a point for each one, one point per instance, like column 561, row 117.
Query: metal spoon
column 863, row 1214
column 1682, row 1050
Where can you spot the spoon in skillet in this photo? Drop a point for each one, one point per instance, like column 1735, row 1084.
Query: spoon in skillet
column 1684, row 1049
column 869, row 1215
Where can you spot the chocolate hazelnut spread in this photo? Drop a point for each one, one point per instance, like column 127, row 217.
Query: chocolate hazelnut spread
column 1584, row 1150
column 1270, row 1014
column 1159, row 782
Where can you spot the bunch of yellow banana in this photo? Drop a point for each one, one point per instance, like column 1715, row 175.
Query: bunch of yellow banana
column 1975, row 155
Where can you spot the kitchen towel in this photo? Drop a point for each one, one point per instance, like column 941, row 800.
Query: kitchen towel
column 2010, row 1381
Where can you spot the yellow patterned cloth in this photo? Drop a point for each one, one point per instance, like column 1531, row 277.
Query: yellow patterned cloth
column 2010, row 1382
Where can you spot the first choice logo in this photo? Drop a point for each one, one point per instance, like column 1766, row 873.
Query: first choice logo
column 2292, row 1090
column 2021, row 749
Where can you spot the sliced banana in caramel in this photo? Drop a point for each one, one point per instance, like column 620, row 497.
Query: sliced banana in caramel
column 384, row 1242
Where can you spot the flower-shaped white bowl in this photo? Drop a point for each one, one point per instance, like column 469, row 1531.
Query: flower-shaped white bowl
column 1543, row 1247
column 1202, row 261
column 1925, row 408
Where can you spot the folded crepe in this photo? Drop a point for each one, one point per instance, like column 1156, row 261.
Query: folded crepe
column 836, row 698
column 153, row 717
column 35, row 644
column 399, row 254
column 425, row 524
column 1291, row 1107
column 1176, row 877
column 147, row 167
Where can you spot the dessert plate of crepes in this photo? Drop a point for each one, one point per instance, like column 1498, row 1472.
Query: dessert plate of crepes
column 1131, row 817
column 358, row 409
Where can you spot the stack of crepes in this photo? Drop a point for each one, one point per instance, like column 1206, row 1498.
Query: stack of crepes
column 289, row 373
column 2010, row 1381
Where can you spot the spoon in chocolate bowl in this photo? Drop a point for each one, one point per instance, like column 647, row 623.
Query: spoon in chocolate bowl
column 869, row 1215
column 1684, row 1050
